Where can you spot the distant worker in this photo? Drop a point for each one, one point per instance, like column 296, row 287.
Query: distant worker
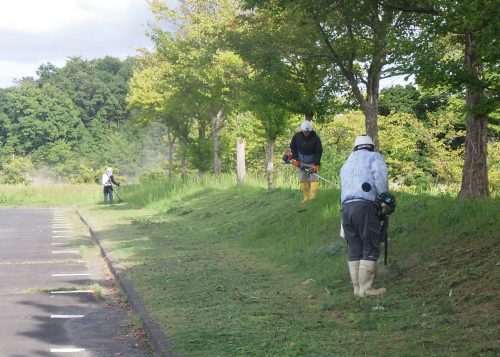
column 107, row 181
column 307, row 150
column 363, row 177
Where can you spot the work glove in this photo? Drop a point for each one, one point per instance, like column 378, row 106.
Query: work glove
column 287, row 157
column 296, row 163
column 315, row 168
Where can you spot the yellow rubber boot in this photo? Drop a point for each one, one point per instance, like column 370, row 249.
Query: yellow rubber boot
column 305, row 189
column 314, row 190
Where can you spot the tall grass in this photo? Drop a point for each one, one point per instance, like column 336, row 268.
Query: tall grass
column 211, row 249
column 50, row 195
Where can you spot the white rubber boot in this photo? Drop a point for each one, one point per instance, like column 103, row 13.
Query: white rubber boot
column 367, row 270
column 354, row 271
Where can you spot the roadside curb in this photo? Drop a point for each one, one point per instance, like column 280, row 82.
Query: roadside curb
column 157, row 337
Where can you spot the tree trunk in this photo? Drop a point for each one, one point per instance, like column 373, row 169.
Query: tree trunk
column 370, row 110
column 170, row 154
column 217, row 125
column 475, row 171
column 184, row 166
column 201, row 138
column 217, row 156
column 240, row 160
column 270, row 163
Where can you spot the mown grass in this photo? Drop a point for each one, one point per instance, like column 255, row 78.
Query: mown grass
column 244, row 271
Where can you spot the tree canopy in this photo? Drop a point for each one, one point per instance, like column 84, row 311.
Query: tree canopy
column 226, row 75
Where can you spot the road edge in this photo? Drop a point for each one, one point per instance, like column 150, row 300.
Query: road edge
column 157, row 337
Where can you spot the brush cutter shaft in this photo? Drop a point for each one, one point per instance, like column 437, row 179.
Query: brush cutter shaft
column 383, row 236
column 322, row 178
column 114, row 191
column 309, row 171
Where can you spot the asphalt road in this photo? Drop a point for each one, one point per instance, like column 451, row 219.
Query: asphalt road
column 47, row 303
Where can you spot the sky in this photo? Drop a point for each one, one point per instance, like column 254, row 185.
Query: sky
column 33, row 32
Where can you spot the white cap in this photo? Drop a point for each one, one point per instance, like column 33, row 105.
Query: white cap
column 363, row 140
column 306, row 125
column 109, row 169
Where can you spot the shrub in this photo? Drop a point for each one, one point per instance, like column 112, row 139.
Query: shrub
column 16, row 171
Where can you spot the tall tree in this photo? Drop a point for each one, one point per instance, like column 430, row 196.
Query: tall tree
column 278, row 45
column 39, row 116
column 273, row 120
column 363, row 41
column 203, row 64
column 458, row 48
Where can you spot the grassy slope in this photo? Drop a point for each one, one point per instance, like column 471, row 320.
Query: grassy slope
column 243, row 271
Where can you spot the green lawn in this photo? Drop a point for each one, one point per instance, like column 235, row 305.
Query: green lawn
column 243, row 271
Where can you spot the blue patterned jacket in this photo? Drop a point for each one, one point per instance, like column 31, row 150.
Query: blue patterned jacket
column 363, row 176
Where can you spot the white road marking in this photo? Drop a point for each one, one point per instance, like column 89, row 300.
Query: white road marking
column 58, row 243
column 66, row 350
column 66, row 316
column 65, row 252
column 66, row 231
column 63, row 236
column 73, row 292
column 70, row 274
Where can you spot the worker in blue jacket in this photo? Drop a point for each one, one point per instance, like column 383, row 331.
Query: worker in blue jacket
column 362, row 178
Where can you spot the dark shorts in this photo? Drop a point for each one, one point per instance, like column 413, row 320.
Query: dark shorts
column 362, row 230
column 305, row 176
column 108, row 190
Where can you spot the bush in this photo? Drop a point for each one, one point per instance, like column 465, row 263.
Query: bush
column 16, row 171
column 86, row 175
column 153, row 176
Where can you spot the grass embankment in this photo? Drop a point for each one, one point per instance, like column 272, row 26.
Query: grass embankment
column 233, row 271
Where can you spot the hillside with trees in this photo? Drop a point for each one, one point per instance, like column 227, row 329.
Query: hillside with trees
column 226, row 87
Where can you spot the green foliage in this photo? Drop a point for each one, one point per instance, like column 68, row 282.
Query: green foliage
column 200, row 153
column 152, row 176
column 73, row 120
column 415, row 155
column 494, row 167
column 418, row 154
column 439, row 52
column 398, row 99
column 38, row 116
column 86, row 175
column 16, row 171
column 262, row 71
column 286, row 73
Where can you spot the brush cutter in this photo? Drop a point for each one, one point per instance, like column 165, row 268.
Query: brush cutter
column 289, row 161
column 387, row 203
column 310, row 171
column 116, row 193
